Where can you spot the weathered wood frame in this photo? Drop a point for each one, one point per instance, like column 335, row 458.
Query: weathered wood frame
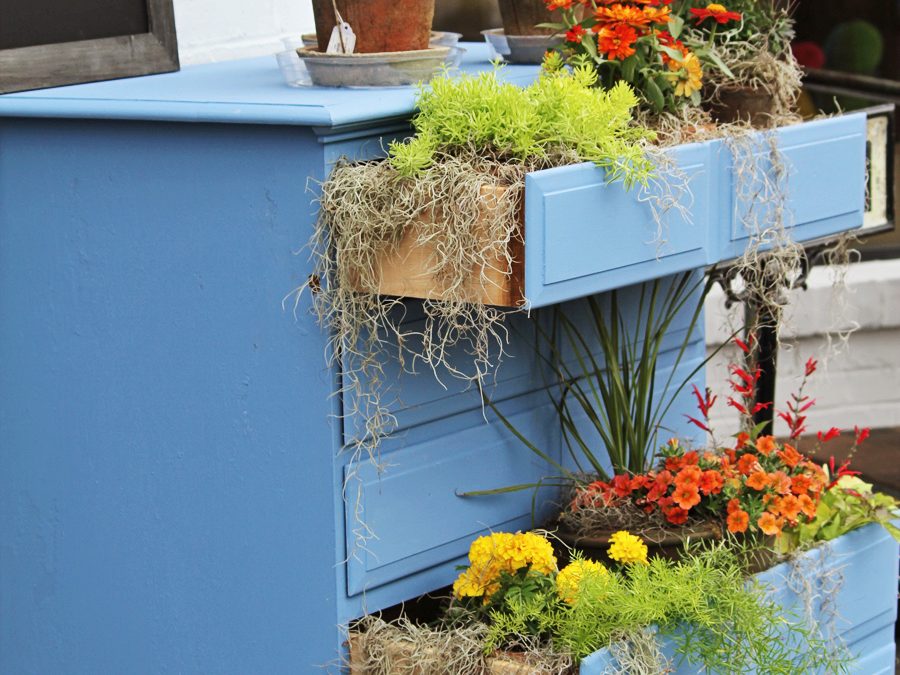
column 108, row 58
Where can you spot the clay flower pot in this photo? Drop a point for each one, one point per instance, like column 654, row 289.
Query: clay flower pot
column 521, row 16
column 742, row 104
column 380, row 25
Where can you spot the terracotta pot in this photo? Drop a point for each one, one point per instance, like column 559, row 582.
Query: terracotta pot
column 380, row 25
column 742, row 104
column 521, row 16
column 667, row 543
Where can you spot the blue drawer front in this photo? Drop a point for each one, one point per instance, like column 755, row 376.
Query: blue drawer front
column 584, row 236
column 866, row 604
column 421, row 397
column 825, row 186
column 413, row 506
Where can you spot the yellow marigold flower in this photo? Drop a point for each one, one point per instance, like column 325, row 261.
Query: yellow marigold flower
column 499, row 552
column 568, row 581
column 627, row 548
column 688, row 74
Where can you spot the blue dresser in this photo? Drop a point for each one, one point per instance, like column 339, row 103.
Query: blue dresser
column 171, row 446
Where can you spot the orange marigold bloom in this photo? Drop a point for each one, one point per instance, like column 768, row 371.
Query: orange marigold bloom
column 758, row 480
column 766, row 444
column 807, row 505
column 617, row 43
column 558, row 4
column 622, row 15
column 733, row 505
column 686, row 497
column 747, row 463
column 738, row 521
column 769, row 524
column 657, row 14
column 780, row 481
column 711, row 482
column 790, row 456
column 789, row 507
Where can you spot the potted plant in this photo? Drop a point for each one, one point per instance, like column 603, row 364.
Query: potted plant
column 735, row 61
column 379, row 25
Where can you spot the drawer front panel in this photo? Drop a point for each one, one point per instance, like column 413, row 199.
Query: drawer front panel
column 413, row 506
column 421, row 397
column 825, row 187
column 584, row 235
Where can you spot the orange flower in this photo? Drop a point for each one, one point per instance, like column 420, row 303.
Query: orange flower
column 686, row 497
column 657, row 14
column 800, row 484
column 807, row 505
column 758, row 480
column 676, row 515
column 617, row 43
column 766, row 444
column 733, row 505
column 780, row 481
column 789, row 507
column 790, row 456
column 692, row 457
column 738, row 521
column 711, row 482
column 747, row 463
column 622, row 15
column 741, row 441
column 769, row 524
column 689, row 477
column 715, row 11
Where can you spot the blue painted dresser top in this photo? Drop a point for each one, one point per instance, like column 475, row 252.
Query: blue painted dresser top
column 249, row 91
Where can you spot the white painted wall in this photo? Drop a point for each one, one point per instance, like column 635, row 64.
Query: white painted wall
column 858, row 383
column 219, row 30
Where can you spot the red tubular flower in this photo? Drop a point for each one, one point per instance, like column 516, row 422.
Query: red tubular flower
column 861, row 435
column 744, row 346
column 704, row 401
column 832, row 433
column 716, row 12
column 811, row 365
column 694, row 420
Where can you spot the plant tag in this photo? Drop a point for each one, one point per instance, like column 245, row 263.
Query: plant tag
column 343, row 39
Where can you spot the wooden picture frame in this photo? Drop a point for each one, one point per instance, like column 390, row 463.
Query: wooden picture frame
column 52, row 65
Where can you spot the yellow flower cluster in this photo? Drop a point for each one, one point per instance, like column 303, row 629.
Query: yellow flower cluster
column 568, row 581
column 627, row 548
column 499, row 552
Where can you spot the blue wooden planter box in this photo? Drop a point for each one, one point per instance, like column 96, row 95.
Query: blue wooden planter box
column 863, row 565
column 172, row 451
column 585, row 236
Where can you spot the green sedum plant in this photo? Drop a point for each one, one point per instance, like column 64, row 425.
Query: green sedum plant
column 563, row 114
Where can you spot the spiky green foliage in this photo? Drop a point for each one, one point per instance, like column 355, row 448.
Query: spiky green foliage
column 718, row 620
column 562, row 114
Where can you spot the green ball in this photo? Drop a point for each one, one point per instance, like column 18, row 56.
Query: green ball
column 854, row 47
